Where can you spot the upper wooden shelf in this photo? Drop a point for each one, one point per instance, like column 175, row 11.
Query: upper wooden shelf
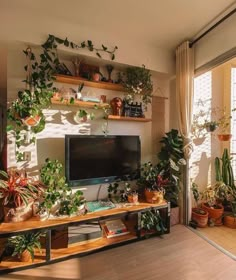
column 79, row 80
column 78, row 103
column 129, row 119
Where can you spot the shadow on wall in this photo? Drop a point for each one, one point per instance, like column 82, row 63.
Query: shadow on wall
column 202, row 176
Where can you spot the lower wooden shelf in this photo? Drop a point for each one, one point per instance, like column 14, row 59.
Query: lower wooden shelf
column 129, row 214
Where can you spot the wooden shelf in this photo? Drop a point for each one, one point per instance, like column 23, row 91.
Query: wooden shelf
column 130, row 213
column 128, row 119
column 78, row 103
column 79, row 80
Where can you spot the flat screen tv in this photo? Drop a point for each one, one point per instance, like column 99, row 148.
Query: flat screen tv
column 93, row 159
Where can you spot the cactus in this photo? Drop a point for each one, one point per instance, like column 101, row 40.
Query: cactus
column 225, row 172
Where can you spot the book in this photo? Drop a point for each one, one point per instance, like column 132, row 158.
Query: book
column 114, row 228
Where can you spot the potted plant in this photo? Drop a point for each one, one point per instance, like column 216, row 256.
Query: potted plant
column 215, row 210
column 24, row 245
column 170, row 162
column 211, row 126
column 83, row 116
column 199, row 215
column 58, row 198
column 223, row 121
column 151, row 183
column 151, row 222
column 18, row 194
column 138, row 83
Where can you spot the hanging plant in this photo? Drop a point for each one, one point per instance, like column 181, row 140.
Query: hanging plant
column 138, row 83
column 26, row 113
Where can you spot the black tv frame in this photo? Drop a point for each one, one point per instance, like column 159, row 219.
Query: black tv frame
column 100, row 180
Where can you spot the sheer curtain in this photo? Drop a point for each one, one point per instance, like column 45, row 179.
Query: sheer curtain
column 184, row 92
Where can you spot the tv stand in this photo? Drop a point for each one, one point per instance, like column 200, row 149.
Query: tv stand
column 131, row 214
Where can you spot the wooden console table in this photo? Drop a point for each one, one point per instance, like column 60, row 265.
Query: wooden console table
column 130, row 213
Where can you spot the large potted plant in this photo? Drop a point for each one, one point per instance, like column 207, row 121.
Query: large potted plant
column 170, row 162
column 18, row 194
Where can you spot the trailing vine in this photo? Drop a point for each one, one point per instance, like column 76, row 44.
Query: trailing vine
column 26, row 112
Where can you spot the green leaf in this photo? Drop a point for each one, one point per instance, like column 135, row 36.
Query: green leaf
column 98, row 54
column 66, row 42
column 112, row 56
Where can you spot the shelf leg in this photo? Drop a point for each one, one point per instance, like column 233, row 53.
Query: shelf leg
column 168, row 218
column 48, row 245
column 139, row 225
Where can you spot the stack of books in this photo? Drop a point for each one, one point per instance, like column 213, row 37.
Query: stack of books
column 115, row 228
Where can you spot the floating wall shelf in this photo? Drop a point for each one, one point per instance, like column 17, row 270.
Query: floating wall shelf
column 79, row 80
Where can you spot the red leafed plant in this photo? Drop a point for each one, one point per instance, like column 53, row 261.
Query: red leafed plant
column 17, row 190
column 161, row 182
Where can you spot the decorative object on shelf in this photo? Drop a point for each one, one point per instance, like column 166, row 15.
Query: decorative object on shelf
column 62, row 69
column 138, row 83
column 17, row 193
column 78, row 94
column 96, row 76
column 103, row 98
column 121, row 192
column 58, row 194
column 116, row 106
column 24, row 245
column 76, row 62
column 109, row 68
column 132, row 109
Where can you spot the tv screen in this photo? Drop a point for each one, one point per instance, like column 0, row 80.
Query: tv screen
column 92, row 159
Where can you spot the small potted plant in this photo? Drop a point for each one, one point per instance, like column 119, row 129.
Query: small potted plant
column 83, row 116
column 151, row 222
column 199, row 215
column 211, row 126
column 24, row 245
column 18, row 194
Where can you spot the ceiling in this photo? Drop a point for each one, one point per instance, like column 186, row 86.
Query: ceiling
column 161, row 23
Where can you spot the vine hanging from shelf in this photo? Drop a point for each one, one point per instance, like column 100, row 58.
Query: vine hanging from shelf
column 25, row 114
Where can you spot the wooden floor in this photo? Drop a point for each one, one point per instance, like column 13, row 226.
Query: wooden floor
column 181, row 255
column 223, row 236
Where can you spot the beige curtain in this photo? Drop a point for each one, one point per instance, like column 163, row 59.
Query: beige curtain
column 184, row 92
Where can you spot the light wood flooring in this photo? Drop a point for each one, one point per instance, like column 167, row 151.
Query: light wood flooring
column 180, row 255
column 221, row 235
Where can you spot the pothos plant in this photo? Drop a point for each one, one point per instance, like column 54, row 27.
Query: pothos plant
column 58, row 190
column 26, row 112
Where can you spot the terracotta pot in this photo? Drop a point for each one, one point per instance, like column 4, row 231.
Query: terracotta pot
column 19, row 214
column 224, row 137
column 214, row 214
column 133, row 198
column 31, row 121
column 25, row 257
column 230, row 221
column 154, row 196
column 200, row 218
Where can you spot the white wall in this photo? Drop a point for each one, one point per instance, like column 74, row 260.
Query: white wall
column 25, row 26
column 50, row 142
